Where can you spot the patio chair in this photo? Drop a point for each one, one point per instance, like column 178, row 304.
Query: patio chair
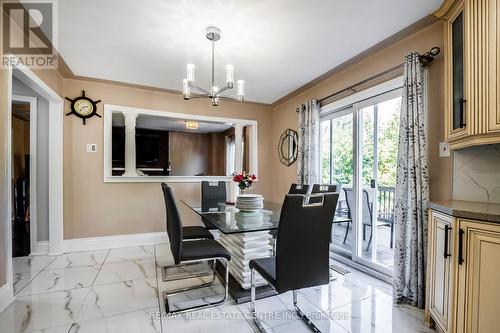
column 386, row 218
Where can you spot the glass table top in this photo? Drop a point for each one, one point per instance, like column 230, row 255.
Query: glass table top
column 230, row 220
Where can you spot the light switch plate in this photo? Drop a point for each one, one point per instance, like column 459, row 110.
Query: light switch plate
column 91, row 147
column 444, row 149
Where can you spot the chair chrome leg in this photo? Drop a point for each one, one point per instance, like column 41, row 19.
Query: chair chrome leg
column 188, row 275
column 302, row 315
column 252, row 302
column 202, row 306
column 198, row 286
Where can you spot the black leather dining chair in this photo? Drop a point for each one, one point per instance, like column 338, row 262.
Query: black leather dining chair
column 191, row 252
column 294, row 189
column 302, row 254
column 318, row 188
column 298, row 189
column 190, row 233
column 212, row 194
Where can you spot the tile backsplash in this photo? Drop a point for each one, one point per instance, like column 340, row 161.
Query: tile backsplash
column 476, row 174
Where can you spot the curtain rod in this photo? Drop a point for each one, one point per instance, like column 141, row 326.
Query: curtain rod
column 427, row 58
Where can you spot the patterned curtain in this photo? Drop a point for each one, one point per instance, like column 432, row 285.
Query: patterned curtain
column 308, row 155
column 412, row 191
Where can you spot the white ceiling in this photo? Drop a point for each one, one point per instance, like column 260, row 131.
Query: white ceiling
column 170, row 124
column 276, row 46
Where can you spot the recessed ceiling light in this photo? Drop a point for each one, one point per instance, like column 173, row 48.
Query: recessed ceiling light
column 191, row 125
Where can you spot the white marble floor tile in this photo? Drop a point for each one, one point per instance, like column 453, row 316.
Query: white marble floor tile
column 196, row 297
column 274, row 319
column 298, row 326
column 76, row 259
column 126, row 270
column 337, row 293
column 59, row 329
column 163, row 255
column 61, row 279
column 20, row 280
column 225, row 318
column 131, row 253
column 141, row 321
column 111, row 299
column 374, row 315
column 275, row 311
column 31, row 263
column 361, row 279
column 39, row 312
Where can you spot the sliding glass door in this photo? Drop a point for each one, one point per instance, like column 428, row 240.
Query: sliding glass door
column 337, row 167
column 359, row 145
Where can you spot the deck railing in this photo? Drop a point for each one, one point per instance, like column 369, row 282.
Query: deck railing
column 385, row 199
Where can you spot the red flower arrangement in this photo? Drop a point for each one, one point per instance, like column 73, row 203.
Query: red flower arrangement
column 244, row 180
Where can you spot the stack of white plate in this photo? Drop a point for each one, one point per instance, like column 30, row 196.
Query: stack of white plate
column 249, row 202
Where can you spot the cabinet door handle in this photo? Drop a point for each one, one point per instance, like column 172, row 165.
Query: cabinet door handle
column 460, row 246
column 446, row 237
column 462, row 112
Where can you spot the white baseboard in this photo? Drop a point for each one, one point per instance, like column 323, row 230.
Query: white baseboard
column 42, row 247
column 6, row 297
column 107, row 242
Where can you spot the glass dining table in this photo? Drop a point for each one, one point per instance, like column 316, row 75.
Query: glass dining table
column 247, row 236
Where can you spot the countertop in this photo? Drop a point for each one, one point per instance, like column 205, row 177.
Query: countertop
column 482, row 211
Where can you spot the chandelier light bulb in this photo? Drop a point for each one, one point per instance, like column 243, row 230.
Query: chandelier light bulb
column 241, row 89
column 186, row 89
column 230, row 75
column 190, row 73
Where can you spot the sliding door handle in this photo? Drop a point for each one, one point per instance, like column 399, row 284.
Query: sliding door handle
column 460, row 246
column 446, row 241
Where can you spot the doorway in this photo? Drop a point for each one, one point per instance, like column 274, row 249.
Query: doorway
column 23, row 171
column 359, row 146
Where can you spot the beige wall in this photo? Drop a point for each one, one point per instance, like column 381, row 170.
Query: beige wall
column 284, row 115
column 94, row 208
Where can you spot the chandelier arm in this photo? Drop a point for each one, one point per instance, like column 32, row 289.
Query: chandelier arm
column 205, row 91
column 199, row 96
column 224, row 89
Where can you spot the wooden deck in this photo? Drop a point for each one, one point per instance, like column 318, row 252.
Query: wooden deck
column 385, row 254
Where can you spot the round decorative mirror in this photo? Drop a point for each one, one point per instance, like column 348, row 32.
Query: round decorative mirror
column 288, row 147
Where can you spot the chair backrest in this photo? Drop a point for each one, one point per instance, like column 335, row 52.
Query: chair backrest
column 318, row 188
column 174, row 223
column 303, row 240
column 298, row 189
column 212, row 193
column 366, row 207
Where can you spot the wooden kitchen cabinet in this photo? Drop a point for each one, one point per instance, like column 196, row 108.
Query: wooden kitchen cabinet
column 440, row 272
column 478, row 302
column 463, row 274
column 472, row 71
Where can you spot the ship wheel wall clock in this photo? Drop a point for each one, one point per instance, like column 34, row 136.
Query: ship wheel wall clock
column 83, row 107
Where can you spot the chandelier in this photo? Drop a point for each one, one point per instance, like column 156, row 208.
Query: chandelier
column 213, row 34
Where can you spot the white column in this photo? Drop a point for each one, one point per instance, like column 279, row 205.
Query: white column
column 238, row 151
column 130, row 120
column 238, row 155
